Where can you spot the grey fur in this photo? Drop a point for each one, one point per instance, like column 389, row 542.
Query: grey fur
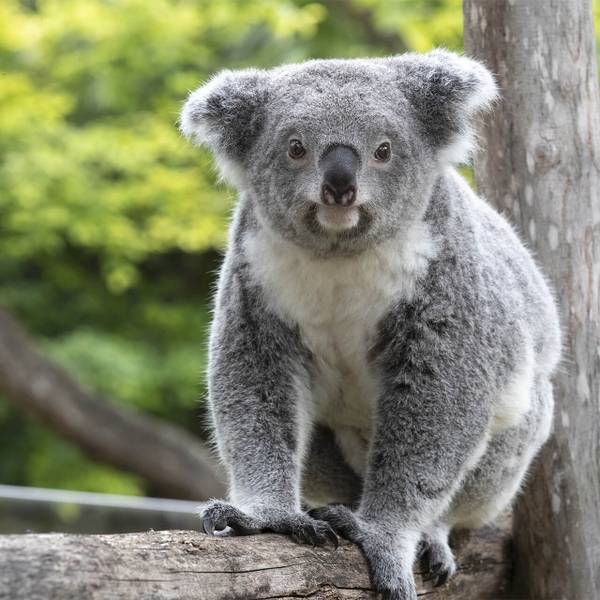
column 460, row 359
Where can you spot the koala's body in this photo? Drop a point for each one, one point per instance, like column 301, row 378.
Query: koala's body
column 381, row 338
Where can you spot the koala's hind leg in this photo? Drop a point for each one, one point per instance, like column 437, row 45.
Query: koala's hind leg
column 435, row 554
column 491, row 486
column 327, row 477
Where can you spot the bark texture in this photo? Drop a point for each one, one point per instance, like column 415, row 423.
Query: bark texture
column 172, row 460
column 541, row 166
column 182, row 564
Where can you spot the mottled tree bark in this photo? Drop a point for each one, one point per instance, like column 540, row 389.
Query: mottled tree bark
column 172, row 460
column 541, row 166
column 187, row 565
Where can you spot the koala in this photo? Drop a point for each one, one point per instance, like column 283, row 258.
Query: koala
column 382, row 347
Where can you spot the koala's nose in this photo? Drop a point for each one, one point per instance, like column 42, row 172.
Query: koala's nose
column 339, row 165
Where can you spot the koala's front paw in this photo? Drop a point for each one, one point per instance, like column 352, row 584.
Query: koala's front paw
column 216, row 516
column 342, row 519
column 389, row 555
column 438, row 560
column 303, row 528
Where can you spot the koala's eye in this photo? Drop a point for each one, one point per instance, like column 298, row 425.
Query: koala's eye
column 384, row 152
column 296, row 149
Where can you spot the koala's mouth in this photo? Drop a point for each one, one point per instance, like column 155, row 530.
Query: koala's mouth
column 337, row 218
column 347, row 223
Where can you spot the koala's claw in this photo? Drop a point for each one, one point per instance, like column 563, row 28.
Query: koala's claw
column 341, row 519
column 442, row 577
column 219, row 515
column 216, row 516
column 439, row 561
column 330, row 534
column 442, row 572
column 208, row 526
column 316, row 533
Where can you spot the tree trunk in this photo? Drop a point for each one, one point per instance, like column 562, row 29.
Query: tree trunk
column 541, row 166
column 183, row 564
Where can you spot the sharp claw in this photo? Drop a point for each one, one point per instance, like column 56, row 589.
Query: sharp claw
column 315, row 537
column 333, row 538
column 302, row 537
column 442, row 579
column 208, row 525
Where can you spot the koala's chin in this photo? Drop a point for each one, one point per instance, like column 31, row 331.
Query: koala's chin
column 338, row 218
column 332, row 231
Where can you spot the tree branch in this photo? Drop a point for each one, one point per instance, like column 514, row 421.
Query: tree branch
column 184, row 564
column 173, row 460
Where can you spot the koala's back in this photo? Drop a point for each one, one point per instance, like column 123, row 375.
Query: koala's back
column 512, row 286
column 520, row 320
column 485, row 275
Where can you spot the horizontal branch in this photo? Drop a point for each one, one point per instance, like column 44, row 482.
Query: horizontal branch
column 173, row 460
column 184, row 564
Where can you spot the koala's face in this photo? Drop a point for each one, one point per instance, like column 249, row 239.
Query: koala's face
column 339, row 155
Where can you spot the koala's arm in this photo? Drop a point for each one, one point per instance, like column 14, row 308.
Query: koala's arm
column 435, row 380
column 431, row 420
column 437, row 383
column 255, row 369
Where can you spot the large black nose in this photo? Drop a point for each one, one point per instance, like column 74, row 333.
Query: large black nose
column 339, row 165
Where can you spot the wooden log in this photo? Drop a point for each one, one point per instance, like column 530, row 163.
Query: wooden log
column 186, row 564
column 541, row 166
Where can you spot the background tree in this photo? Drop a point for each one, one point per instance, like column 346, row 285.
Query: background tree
column 542, row 167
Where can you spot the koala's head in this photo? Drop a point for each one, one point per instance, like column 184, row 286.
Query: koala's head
column 338, row 155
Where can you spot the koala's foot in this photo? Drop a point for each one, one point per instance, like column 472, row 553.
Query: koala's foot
column 436, row 556
column 303, row 528
column 389, row 554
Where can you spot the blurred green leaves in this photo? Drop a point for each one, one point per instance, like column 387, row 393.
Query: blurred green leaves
column 109, row 221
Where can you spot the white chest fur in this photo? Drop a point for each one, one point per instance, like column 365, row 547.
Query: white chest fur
column 337, row 303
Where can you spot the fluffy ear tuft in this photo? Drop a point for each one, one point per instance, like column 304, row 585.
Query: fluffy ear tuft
column 447, row 91
column 226, row 114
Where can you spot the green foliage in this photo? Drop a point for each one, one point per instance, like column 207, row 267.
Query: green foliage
column 110, row 223
column 596, row 12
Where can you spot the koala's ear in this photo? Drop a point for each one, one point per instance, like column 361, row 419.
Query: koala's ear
column 226, row 113
column 447, row 91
